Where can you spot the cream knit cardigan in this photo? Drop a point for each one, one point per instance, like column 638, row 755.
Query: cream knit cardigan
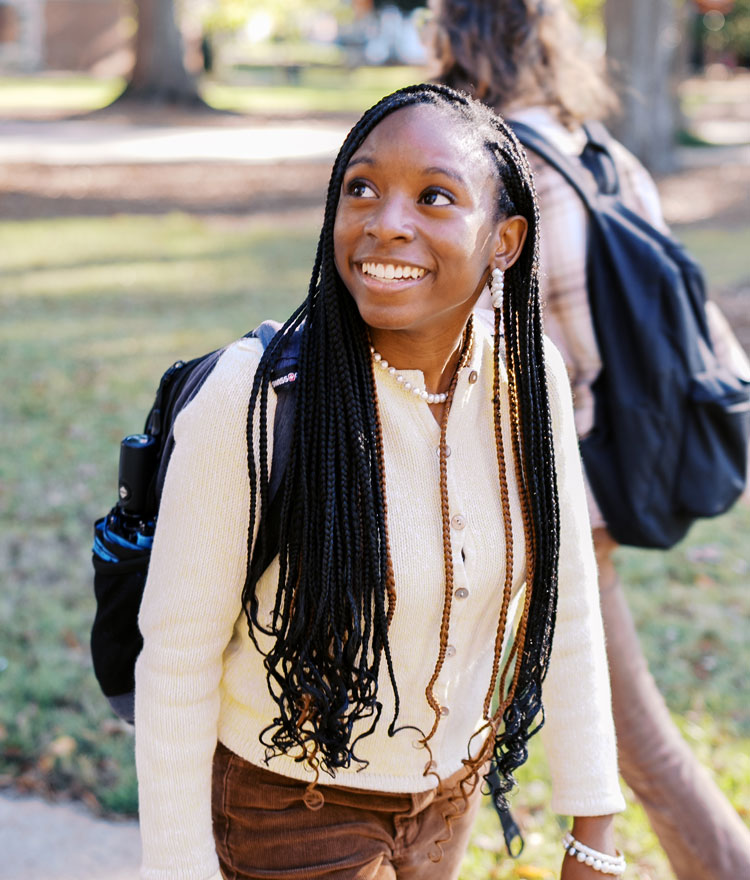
column 199, row 678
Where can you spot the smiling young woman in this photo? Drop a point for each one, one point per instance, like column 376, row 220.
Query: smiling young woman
column 333, row 715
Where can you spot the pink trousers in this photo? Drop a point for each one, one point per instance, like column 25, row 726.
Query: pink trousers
column 702, row 835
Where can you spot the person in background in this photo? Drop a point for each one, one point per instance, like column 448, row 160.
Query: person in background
column 525, row 59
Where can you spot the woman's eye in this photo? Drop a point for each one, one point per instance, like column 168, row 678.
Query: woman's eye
column 436, row 198
column 360, row 190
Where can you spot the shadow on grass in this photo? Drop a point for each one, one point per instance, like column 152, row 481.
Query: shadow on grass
column 32, row 205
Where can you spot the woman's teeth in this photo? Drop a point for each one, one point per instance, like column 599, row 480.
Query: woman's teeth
column 390, row 272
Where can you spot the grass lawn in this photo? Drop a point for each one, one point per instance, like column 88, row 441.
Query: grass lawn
column 66, row 93
column 317, row 90
column 722, row 251
column 93, row 312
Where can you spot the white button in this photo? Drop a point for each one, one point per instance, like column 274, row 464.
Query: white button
column 473, row 376
column 450, row 651
column 447, row 451
column 429, row 766
column 444, row 710
column 461, row 593
column 458, row 521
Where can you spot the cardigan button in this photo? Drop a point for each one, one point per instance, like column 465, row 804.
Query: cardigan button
column 450, row 651
column 444, row 711
column 458, row 521
column 473, row 376
column 461, row 593
column 447, row 451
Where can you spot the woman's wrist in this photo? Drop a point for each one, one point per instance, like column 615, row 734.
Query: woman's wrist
column 591, row 844
column 597, row 832
column 593, row 858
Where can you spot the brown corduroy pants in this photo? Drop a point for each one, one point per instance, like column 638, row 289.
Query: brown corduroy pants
column 264, row 830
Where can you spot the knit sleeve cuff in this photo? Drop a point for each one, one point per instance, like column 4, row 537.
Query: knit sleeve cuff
column 603, row 805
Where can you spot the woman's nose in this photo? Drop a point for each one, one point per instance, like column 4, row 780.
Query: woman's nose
column 391, row 218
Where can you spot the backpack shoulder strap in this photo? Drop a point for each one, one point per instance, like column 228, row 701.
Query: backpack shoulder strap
column 265, row 332
column 571, row 170
column 284, row 383
column 597, row 157
column 180, row 384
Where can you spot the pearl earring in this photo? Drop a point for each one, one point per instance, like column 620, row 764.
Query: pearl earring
column 497, row 283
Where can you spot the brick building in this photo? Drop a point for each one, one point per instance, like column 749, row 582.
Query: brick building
column 72, row 35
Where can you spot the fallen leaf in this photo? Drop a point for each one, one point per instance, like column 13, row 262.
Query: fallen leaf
column 62, row 747
column 91, row 801
column 46, row 764
column 532, row 872
column 71, row 639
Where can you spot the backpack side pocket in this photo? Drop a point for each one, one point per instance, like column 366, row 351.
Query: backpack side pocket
column 713, row 465
column 116, row 640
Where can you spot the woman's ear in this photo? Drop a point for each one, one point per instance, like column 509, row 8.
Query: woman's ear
column 509, row 242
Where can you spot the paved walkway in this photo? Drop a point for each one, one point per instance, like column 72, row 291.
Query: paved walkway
column 68, row 843
column 98, row 142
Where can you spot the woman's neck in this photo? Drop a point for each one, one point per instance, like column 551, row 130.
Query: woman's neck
column 435, row 356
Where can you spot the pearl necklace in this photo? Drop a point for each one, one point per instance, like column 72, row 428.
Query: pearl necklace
column 423, row 393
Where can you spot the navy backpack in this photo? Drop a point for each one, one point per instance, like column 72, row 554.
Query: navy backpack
column 671, row 423
column 123, row 538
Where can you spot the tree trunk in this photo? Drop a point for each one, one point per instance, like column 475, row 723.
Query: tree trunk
column 642, row 39
column 159, row 75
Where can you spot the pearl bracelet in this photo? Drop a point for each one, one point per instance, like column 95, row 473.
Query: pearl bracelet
column 599, row 861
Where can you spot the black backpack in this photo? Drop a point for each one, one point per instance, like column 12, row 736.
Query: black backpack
column 670, row 437
column 123, row 538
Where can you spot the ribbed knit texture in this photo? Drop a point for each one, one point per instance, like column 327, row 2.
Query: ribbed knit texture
column 199, row 677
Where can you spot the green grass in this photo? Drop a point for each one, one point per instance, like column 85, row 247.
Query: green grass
column 723, row 252
column 318, row 90
column 93, row 311
column 66, row 93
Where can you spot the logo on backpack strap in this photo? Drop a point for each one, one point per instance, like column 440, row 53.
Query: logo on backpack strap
column 285, row 379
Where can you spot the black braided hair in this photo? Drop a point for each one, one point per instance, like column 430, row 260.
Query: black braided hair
column 336, row 596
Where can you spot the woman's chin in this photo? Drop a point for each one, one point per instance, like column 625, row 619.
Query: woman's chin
column 381, row 317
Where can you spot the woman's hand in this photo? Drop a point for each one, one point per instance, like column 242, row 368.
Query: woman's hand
column 596, row 832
